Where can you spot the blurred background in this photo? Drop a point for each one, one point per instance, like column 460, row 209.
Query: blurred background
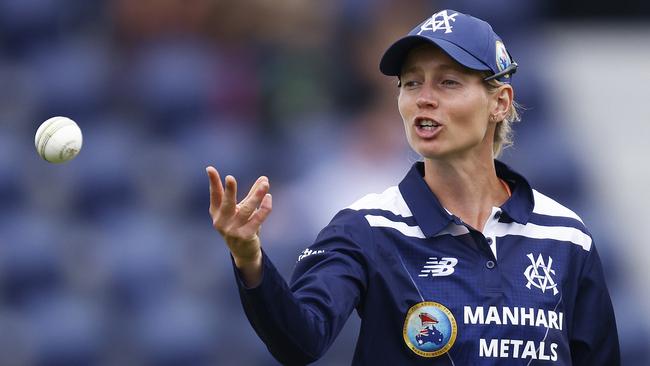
column 110, row 259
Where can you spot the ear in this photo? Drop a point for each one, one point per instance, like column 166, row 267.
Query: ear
column 502, row 101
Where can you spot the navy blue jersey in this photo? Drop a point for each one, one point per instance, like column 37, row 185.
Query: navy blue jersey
column 431, row 290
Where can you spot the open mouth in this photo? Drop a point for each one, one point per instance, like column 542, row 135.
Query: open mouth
column 426, row 124
column 427, row 128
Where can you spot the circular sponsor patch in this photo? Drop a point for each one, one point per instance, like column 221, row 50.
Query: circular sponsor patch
column 502, row 57
column 429, row 329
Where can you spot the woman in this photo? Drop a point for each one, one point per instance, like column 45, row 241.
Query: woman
column 463, row 263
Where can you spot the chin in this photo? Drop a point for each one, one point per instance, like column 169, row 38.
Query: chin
column 435, row 150
column 431, row 153
column 427, row 148
column 440, row 154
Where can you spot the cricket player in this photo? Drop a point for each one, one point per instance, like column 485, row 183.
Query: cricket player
column 461, row 263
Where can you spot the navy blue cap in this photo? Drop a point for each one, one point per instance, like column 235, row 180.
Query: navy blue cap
column 468, row 40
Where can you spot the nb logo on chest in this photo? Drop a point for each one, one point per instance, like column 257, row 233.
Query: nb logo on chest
column 435, row 267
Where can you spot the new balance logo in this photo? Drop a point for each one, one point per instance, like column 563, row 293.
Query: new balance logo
column 437, row 21
column 307, row 252
column 435, row 267
column 539, row 274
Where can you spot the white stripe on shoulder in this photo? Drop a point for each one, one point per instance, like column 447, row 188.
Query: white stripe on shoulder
column 413, row 231
column 561, row 233
column 380, row 221
column 389, row 200
column 545, row 205
column 453, row 230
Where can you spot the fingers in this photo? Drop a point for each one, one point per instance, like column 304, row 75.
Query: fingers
column 229, row 205
column 226, row 212
column 248, row 206
column 260, row 215
column 254, row 187
column 216, row 189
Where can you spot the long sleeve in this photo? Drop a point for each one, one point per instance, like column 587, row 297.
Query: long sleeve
column 298, row 323
column 594, row 338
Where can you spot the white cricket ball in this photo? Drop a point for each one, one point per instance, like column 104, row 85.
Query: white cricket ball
column 58, row 139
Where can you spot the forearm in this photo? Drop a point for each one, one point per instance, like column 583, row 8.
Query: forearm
column 594, row 333
column 298, row 323
column 294, row 333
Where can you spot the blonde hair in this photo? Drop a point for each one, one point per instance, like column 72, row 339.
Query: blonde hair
column 503, row 135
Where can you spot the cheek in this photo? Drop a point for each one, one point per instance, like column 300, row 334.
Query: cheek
column 406, row 106
column 473, row 112
column 400, row 104
column 401, row 107
column 404, row 113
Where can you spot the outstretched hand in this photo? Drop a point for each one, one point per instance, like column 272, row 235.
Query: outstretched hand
column 239, row 223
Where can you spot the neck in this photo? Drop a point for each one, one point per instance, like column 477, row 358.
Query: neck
column 468, row 188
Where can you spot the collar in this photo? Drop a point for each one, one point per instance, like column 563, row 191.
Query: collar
column 433, row 218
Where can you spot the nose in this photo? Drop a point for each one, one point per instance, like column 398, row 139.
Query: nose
column 427, row 98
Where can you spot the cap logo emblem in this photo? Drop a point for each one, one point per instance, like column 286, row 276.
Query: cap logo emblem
column 502, row 57
column 438, row 21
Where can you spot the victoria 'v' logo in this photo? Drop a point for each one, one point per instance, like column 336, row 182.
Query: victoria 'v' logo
column 539, row 274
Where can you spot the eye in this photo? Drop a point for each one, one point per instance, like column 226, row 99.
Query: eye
column 410, row 84
column 450, row 82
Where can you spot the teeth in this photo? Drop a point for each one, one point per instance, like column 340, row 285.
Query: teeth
column 427, row 123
